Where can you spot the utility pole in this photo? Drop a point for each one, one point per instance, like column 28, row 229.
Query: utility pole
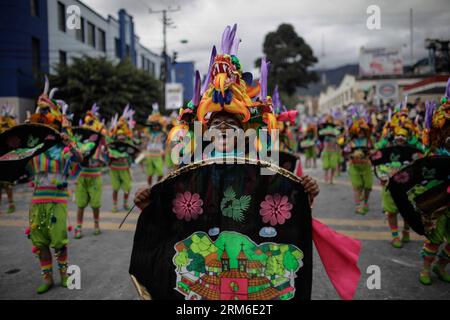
column 167, row 22
column 411, row 32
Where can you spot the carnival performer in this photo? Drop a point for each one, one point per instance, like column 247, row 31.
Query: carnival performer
column 308, row 144
column 119, row 162
column 88, row 189
column 358, row 146
column 7, row 120
column 437, row 138
column 48, row 212
column 331, row 150
column 224, row 106
column 154, row 143
column 399, row 130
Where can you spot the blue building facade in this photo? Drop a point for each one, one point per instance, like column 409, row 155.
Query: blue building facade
column 35, row 37
column 183, row 72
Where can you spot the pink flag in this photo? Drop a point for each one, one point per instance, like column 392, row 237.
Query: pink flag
column 339, row 255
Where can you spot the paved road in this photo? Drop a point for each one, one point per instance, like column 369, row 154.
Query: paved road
column 104, row 259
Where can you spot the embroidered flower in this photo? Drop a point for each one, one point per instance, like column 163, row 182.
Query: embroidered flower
column 377, row 155
column 401, row 177
column 187, row 206
column 275, row 209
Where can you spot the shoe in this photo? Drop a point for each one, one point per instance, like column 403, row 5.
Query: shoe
column 443, row 276
column 43, row 288
column 359, row 210
column 64, row 278
column 396, row 243
column 365, row 208
column 97, row 231
column 405, row 237
column 78, row 234
column 11, row 208
column 425, row 279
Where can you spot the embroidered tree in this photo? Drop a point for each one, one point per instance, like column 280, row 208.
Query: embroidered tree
column 291, row 264
column 274, row 267
column 181, row 260
column 197, row 264
column 202, row 245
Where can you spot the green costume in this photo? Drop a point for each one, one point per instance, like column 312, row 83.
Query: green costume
column 48, row 223
column 154, row 161
column 88, row 189
column 120, row 176
column 330, row 154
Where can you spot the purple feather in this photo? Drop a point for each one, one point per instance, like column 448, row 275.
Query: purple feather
column 95, row 108
column 225, row 36
column 447, row 89
column 263, row 79
column 429, row 110
column 231, row 37
column 208, row 74
column 276, row 99
column 235, row 47
column 80, row 123
column 197, row 84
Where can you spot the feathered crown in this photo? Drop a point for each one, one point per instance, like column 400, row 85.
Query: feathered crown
column 155, row 117
column 227, row 88
column 48, row 110
column 123, row 126
column 7, row 118
column 92, row 119
column 436, row 128
column 357, row 120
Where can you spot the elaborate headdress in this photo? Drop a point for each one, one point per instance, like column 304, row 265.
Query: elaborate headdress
column 92, row 120
column 48, row 110
column 399, row 124
column 437, row 128
column 357, row 121
column 155, row 117
column 122, row 126
column 227, row 88
column 7, row 118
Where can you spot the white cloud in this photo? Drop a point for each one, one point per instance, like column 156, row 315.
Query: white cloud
column 341, row 23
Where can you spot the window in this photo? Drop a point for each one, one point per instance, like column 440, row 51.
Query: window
column 117, row 47
column 127, row 51
column 101, row 40
column 91, row 34
column 152, row 68
column 143, row 62
column 34, row 8
column 35, row 56
column 63, row 58
column 61, row 17
column 79, row 33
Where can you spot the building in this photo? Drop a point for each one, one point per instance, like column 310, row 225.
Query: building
column 183, row 72
column 37, row 35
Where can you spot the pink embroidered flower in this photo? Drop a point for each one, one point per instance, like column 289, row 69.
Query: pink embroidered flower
column 93, row 137
column 377, row 155
column 401, row 177
column 187, row 206
column 275, row 209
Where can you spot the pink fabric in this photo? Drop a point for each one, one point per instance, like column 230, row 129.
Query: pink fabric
column 339, row 255
column 299, row 169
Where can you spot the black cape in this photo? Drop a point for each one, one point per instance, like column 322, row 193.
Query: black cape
column 420, row 191
column 21, row 143
column 203, row 235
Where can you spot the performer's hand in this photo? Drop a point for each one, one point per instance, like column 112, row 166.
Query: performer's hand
column 142, row 198
column 311, row 187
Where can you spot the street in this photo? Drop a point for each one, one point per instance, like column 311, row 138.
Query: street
column 104, row 259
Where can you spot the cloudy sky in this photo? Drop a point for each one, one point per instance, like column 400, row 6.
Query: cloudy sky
column 335, row 29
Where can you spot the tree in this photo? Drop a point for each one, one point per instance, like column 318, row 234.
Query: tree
column 290, row 57
column 181, row 260
column 112, row 86
column 291, row 264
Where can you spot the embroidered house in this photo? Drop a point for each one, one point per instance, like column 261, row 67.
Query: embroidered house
column 241, row 271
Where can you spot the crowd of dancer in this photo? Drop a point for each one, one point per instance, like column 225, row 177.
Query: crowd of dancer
column 345, row 140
